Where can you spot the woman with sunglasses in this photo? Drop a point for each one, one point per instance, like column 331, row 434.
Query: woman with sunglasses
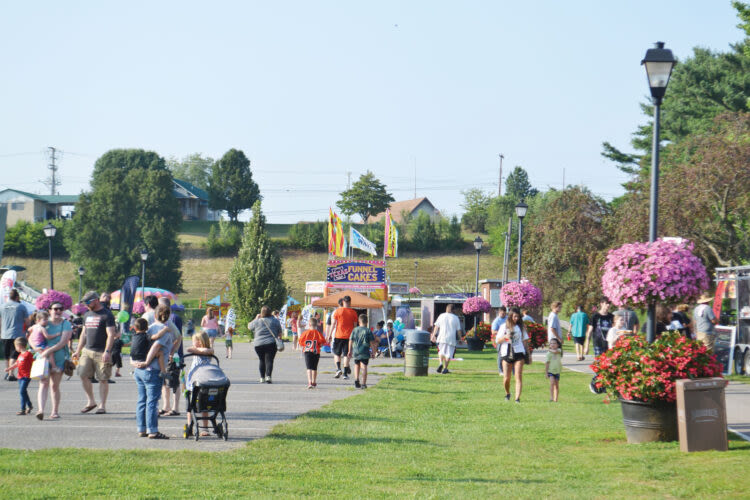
column 58, row 346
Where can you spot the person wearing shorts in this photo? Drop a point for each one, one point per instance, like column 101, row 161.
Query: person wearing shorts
column 98, row 336
column 210, row 325
column 445, row 334
column 310, row 341
column 362, row 347
column 343, row 321
column 579, row 322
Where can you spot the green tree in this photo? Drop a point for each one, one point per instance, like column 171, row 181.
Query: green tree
column 309, row 236
column 256, row 277
column 225, row 240
column 368, row 196
column 231, row 186
column 565, row 242
column 130, row 205
column 517, row 185
column 194, row 168
column 476, row 205
column 701, row 87
column 422, row 233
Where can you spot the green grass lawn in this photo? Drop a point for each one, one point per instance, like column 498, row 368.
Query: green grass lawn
column 429, row 437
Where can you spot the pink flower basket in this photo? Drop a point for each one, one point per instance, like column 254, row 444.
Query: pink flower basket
column 522, row 295
column 640, row 274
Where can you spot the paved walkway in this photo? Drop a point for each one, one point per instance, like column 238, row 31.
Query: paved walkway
column 737, row 394
column 252, row 408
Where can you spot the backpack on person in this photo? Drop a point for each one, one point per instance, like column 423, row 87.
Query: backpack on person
column 139, row 346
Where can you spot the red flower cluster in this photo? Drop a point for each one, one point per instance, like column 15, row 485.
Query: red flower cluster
column 482, row 331
column 537, row 334
column 637, row 370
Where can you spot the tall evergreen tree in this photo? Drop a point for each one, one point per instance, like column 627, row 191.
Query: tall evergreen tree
column 256, row 278
column 517, row 185
column 130, row 206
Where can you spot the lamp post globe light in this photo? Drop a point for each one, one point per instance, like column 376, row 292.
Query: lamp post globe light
column 478, row 242
column 81, row 272
column 659, row 63
column 144, row 257
column 49, row 232
column 521, row 209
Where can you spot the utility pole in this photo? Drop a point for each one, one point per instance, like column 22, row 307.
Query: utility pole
column 506, row 254
column 348, row 181
column 563, row 179
column 415, row 182
column 53, row 181
column 500, row 180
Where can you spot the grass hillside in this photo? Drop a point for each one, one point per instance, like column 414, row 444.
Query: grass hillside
column 203, row 275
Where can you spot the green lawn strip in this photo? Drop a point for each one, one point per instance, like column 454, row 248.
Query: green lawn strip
column 744, row 379
column 441, row 436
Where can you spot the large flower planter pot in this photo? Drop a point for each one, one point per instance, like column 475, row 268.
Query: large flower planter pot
column 647, row 422
column 474, row 344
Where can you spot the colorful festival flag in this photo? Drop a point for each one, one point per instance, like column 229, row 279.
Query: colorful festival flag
column 390, row 248
column 359, row 241
column 336, row 240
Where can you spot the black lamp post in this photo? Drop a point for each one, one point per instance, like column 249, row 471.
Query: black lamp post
column 144, row 257
column 81, row 272
column 521, row 209
column 416, row 265
column 659, row 63
column 49, row 232
column 478, row 247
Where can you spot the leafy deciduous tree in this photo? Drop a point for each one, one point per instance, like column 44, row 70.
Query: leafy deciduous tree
column 194, row 168
column 476, row 205
column 131, row 205
column 231, row 186
column 366, row 197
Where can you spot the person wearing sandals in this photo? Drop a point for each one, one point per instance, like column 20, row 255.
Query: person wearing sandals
column 512, row 332
column 57, row 346
column 148, row 377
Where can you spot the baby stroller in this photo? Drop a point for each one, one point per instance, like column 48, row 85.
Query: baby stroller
column 209, row 395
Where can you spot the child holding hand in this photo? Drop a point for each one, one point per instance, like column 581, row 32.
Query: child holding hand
column 310, row 342
column 23, row 363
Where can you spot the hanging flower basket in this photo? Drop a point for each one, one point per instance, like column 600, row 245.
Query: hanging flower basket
column 537, row 335
column 50, row 297
column 476, row 305
column 522, row 295
column 642, row 274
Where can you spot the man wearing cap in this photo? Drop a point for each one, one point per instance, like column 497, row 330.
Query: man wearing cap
column 704, row 320
column 97, row 336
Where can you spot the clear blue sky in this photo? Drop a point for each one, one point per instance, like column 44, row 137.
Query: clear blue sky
column 311, row 90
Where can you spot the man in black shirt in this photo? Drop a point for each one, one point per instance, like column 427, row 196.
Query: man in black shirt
column 601, row 321
column 97, row 336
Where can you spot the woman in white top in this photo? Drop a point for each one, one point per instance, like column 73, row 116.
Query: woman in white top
column 512, row 332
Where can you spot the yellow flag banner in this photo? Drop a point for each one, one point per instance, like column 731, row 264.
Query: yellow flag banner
column 336, row 240
column 390, row 246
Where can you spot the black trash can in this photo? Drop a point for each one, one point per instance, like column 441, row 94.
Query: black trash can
column 417, row 351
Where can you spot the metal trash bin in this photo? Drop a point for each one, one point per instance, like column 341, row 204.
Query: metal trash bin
column 702, row 414
column 417, row 351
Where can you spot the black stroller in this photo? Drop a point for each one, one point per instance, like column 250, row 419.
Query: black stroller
column 209, row 395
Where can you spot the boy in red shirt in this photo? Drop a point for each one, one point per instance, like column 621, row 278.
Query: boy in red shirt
column 23, row 363
column 310, row 341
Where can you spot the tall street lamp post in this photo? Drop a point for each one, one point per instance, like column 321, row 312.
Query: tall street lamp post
column 521, row 209
column 144, row 257
column 81, row 272
column 49, row 232
column 659, row 63
column 416, row 265
column 478, row 247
